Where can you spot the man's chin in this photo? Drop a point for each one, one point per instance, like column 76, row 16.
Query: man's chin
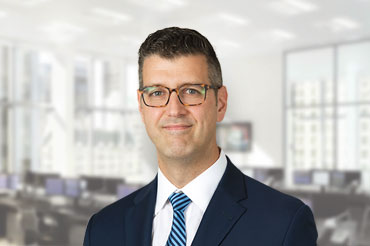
column 177, row 152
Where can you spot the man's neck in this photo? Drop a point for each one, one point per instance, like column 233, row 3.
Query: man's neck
column 181, row 171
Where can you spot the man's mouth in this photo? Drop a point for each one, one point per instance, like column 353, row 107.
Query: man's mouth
column 176, row 127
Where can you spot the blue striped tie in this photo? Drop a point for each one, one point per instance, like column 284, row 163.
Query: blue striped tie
column 179, row 203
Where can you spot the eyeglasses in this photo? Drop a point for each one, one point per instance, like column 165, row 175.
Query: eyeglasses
column 189, row 94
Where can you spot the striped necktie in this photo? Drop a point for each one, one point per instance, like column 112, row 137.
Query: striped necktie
column 177, row 235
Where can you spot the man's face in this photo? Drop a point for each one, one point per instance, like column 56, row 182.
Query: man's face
column 176, row 130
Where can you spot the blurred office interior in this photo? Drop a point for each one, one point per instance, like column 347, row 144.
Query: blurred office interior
column 72, row 141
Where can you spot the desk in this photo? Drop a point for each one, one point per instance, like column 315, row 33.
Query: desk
column 329, row 203
column 75, row 223
column 22, row 220
column 19, row 218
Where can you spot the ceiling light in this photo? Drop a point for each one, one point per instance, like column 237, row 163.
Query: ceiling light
column 283, row 8
column 62, row 32
column 302, row 5
column 25, row 3
column 338, row 24
column 342, row 23
column 233, row 18
column 63, row 27
column 33, row 2
column 177, row 2
column 116, row 16
column 292, row 7
column 282, row 35
column 160, row 5
column 3, row 14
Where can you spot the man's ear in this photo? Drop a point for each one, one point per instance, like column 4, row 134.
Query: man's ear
column 221, row 103
column 139, row 104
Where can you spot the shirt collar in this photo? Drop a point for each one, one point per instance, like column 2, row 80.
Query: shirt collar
column 164, row 189
column 200, row 190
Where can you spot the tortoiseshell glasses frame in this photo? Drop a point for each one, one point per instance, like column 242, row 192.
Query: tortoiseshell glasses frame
column 188, row 94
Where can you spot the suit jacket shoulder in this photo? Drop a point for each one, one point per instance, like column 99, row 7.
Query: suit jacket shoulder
column 244, row 211
column 269, row 199
column 113, row 225
column 282, row 213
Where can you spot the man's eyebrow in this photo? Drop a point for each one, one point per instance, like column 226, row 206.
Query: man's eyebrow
column 156, row 84
column 184, row 83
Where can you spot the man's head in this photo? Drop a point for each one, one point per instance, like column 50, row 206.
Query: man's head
column 179, row 118
column 173, row 42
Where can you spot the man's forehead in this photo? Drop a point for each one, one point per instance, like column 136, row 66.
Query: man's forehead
column 175, row 58
column 183, row 69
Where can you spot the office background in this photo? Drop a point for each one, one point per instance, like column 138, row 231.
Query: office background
column 71, row 138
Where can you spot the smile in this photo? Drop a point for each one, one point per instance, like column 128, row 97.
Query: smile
column 176, row 127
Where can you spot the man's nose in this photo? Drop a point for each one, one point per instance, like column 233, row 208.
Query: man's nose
column 174, row 106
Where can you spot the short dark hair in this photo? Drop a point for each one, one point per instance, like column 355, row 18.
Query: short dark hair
column 173, row 42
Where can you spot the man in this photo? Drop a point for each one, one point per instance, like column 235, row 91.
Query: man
column 199, row 197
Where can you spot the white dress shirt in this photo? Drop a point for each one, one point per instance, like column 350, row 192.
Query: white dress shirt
column 200, row 191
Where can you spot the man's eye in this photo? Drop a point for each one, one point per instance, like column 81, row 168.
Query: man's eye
column 156, row 93
column 191, row 91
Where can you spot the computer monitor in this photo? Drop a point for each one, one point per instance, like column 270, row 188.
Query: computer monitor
column 338, row 179
column 13, row 181
column 40, row 178
column 302, row 178
column 321, row 177
column 72, row 188
column 352, row 176
column 54, row 186
column 110, row 185
column 3, row 181
column 124, row 190
column 29, row 178
column 276, row 173
column 235, row 136
column 94, row 184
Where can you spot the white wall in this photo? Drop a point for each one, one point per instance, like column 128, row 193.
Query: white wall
column 255, row 91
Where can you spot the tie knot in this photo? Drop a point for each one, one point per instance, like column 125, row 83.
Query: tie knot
column 179, row 201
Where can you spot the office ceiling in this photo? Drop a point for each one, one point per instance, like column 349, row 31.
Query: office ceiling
column 233, row 26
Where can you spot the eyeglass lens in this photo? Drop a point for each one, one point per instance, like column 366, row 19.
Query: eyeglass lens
column 188, row 94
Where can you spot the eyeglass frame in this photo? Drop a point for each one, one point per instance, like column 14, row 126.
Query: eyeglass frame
column 205, row 86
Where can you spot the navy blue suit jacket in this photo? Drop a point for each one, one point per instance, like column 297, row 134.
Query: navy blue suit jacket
column 242, row 211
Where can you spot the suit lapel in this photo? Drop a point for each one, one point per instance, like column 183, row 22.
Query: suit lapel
column 140, row 217
column 224, row 209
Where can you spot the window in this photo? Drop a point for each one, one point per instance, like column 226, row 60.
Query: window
column 327, row 107
column 105, row 136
